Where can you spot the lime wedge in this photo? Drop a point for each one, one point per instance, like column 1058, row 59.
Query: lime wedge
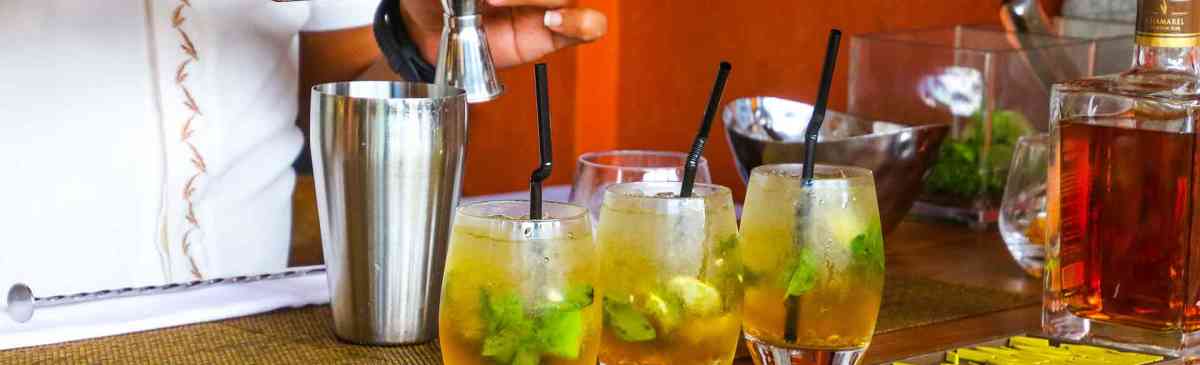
column 698, row 298
column 667, row 312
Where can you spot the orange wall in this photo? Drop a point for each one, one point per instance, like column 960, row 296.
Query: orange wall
column 645, row 85
column 503, row 148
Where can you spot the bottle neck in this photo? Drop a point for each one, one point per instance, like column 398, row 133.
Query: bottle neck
column 1168, row 33
column 1168, row 59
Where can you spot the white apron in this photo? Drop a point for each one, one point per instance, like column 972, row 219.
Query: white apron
column 148, row 141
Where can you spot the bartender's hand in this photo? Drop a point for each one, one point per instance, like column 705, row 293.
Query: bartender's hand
column 519, row 31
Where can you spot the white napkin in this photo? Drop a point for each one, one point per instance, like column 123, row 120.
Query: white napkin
column 121, row 316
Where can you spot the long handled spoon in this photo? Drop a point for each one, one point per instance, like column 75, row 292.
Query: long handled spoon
column 21, row 303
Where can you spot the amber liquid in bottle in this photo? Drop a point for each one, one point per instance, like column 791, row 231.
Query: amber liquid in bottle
column 1126, row 223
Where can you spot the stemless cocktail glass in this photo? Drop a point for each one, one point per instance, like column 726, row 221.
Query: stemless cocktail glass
column 1023, row 215
column 814, row 264
column 520, row 291
column 672, row 281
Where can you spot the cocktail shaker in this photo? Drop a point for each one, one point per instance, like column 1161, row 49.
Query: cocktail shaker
column 465, row 59
column 387, row 158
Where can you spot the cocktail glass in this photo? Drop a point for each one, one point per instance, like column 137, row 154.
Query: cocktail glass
column 672, row 282
column 519, row 291
column 814, row 264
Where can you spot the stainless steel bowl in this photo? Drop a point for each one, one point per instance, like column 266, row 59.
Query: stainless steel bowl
column 765, row 130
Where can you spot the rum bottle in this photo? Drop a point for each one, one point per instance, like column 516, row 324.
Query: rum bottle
column 1123, row 263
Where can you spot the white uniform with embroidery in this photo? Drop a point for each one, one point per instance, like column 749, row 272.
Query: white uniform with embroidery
column 149, row 141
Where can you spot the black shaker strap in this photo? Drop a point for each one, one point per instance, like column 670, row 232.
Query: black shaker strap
column 397, row 45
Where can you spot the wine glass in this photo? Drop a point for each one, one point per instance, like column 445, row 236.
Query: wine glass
column 599, row 170
column 1023, row 209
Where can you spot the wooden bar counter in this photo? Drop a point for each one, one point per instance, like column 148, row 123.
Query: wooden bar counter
column 946, row 286
column 919, row 249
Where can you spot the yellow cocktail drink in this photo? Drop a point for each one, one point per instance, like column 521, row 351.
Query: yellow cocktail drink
column 814, row 262
column 672, row 275
column 520, row 291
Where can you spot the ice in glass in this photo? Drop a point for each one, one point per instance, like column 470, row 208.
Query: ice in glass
column 814, row 264
column 672, row 275
column 520, row 291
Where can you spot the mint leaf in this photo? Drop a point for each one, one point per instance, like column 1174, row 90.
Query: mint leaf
column 961, row 170
column 860, row 246
column 956, row 171
column 579, row 296
column 803, row 275
column 560, row 332
column 503, row 311
column 1007, row 127
column 502, row 346
column 803, row 279
column 626, row 322
column 509, row 332
column 527, row 356
column 513, row 338
column 868, row 247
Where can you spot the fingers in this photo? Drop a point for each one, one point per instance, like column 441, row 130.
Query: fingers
column 520, row 35
column 552, row 4
column 581, row 25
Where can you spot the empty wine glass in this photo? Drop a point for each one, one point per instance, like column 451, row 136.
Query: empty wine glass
column 1023, row 209
column 599, row 170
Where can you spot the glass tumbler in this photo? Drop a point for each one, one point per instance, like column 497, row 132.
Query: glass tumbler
column 520, row 291
column 599, row 170
column 814, row 264
column 1023, row 210
column 672, row 286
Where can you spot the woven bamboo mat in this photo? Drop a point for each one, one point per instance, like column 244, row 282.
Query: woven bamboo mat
column 303, row 336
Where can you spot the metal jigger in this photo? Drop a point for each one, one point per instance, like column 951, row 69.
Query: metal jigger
column 464, row 59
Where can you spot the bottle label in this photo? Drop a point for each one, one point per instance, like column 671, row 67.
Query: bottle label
column 1168, row 23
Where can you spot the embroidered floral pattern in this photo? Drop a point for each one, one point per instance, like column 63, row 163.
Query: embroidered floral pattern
column 185, row 134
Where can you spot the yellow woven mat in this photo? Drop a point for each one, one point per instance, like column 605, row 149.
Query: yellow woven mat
column 911, row 302
column 299, row 336
column 304, row 336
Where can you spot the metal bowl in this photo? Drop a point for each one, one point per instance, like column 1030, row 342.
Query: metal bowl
column 765, row 130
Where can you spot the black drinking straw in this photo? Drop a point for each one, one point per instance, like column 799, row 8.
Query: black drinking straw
column 547, row 160
column 810, row 153
column 693, row 159
column 818, row 116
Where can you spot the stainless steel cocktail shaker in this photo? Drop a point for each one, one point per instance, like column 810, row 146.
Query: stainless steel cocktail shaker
column 387, row 158
column 464, row 59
